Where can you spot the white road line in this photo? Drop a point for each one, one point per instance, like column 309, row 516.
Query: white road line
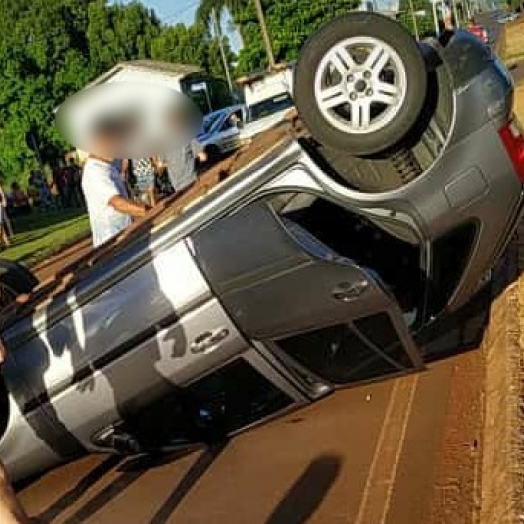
column 376, row 498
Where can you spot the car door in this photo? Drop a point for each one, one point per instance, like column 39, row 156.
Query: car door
column 301, row 302
column 119, row 340
column 229, row 136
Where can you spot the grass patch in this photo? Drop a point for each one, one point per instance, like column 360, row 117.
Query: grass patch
column 41, row 235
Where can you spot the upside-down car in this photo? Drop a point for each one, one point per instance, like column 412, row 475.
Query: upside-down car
column 313, row 267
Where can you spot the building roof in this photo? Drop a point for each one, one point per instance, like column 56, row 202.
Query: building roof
column 155, row 66
column 255, row 76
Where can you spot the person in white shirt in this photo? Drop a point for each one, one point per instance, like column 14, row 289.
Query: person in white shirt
column 108, row 204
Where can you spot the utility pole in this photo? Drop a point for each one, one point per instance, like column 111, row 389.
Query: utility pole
column 455, row 14
column 435, row 17
column 265, row 34
column 218, row 34
column 414, row 18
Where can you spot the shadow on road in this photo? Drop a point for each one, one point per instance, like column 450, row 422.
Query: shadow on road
column 197, row 470
column 129, row 472
column 307, row 493
column 69, row 498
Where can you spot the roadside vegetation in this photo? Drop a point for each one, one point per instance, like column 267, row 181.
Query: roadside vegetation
column 41, row 235
column 512, row 45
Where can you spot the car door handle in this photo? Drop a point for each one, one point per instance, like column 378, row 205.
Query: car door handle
column 208, row 340
column 348, row 291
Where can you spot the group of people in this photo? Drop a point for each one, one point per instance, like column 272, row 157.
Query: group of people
column 106, row 184
column 62, row 191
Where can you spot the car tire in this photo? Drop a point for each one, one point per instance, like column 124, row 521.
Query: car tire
column 360, row 84
column 15, row 280
column 213, row 154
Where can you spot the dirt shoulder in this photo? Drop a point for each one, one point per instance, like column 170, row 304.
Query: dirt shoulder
column 503, row 445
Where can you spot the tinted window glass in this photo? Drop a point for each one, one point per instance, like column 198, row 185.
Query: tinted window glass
column 342, row 354
column 270, row 106
column 237, row 395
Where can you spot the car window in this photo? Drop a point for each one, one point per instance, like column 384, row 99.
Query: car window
column 228, row 399
column 270, row 106
column 209, row 122
column 348, row 353
column 358, row 239
column 226, row 125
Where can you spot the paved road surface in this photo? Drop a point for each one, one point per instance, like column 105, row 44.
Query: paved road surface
column 374, row 454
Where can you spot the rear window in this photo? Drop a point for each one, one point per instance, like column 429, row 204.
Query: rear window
column 270, row 106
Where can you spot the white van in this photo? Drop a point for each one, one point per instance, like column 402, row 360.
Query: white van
column 268, row 97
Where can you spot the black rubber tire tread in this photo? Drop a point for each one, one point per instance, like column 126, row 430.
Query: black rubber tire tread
column 337, row 30
column 213, row 153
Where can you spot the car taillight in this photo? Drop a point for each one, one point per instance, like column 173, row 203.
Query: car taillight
column 513, row 138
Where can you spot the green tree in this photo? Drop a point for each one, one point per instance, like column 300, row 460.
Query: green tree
column 425, row 22
column 117, row 33
column 191, row 45
column 289, row 25
column 50, row 49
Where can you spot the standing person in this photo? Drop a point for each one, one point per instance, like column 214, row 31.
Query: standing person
column 144, row 170
column 43, row 188
column 21, row 205
column 60, row 183
column 109, row 207
column 33, row 191
column 3, row 219
column 75, row 183
column 181, row 163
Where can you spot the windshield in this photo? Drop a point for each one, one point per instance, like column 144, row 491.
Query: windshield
column 270, row 106
column 209, row 122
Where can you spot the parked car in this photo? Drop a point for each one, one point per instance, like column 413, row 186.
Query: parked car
column 507, row 17
column 480, row 32
column 268, row 97
column 220, row 133
column 317, row 266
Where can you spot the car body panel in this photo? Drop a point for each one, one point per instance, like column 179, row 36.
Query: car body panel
column 87, row 357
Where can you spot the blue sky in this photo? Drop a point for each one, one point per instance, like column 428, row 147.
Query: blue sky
column 182, row 11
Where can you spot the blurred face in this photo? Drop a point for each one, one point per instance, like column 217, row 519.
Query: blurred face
column 107, row 142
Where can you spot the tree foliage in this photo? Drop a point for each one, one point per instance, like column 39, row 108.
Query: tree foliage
column 289, row 24
column 424, row 20
column 50, row 49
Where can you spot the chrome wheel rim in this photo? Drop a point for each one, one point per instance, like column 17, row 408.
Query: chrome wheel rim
column 360, row 85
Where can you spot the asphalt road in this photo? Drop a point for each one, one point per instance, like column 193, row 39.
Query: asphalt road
column 375, row 454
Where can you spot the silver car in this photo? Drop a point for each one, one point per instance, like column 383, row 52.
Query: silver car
column 317, row 266
column 220, row 133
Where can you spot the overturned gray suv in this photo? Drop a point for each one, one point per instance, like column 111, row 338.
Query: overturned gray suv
column 315, row 266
